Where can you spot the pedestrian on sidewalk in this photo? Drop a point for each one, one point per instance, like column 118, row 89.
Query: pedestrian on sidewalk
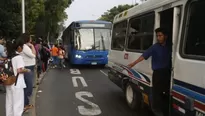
column 29, row 56
column 38, row 48
column 61, row 57
column 54, row 53
column 2, row 59
column 45, row 56
column 15, row 93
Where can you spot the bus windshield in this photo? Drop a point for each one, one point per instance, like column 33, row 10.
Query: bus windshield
column 85, row 39
column 93, row 39
column 102, row 37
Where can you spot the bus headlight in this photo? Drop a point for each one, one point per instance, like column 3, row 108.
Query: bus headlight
column 78, row 56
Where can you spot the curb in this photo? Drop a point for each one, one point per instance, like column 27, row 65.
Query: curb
column 33, row 98
column 33, row 112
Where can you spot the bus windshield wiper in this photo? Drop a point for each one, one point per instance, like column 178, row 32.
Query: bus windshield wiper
column 103, row 42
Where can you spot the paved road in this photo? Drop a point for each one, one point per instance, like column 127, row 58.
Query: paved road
column 96, row 96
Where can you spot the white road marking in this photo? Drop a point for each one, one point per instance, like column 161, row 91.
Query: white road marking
column 82, row 80
column 75, row 71
column 40, row 91
column 104, row 73
column 95, row 110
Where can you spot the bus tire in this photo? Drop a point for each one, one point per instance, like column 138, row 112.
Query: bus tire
column 133, row 98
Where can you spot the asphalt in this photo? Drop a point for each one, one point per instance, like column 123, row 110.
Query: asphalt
column 57, row 95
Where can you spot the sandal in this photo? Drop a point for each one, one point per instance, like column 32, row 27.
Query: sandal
column 26, row 108
column 29, row 106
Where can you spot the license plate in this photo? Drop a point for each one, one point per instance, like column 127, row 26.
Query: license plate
column 94, row 63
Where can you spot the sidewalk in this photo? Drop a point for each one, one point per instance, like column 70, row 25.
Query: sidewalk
column 32, row 99
column 2, row 103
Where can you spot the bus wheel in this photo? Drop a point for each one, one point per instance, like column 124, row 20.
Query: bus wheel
column 133, row 98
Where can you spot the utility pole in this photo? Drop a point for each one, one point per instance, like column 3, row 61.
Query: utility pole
column 23, row 15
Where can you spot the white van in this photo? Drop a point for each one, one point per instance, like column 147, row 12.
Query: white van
column 133, row 33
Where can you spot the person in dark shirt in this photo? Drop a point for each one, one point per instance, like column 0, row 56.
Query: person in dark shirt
column 161, row 65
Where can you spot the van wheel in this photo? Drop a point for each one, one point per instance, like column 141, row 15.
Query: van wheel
column 133, row 98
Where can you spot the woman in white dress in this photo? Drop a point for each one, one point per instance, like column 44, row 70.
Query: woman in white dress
column 15, row 92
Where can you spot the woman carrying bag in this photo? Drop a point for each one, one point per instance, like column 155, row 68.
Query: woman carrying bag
column 15, row 91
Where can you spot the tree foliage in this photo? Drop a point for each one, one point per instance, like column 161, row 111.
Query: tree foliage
column 33, row 10
column 10, row 18
column 110, row 14
column 55, row 14
column 42, row 17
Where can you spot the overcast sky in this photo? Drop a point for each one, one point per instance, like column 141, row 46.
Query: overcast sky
column 91, row 9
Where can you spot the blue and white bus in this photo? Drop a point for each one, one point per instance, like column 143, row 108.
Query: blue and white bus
column 87, row 42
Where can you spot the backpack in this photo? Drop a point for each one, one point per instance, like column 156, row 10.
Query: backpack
column 45, row 53
column 8, row 70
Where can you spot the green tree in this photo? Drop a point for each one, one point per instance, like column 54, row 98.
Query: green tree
column 33, row 10
column 54, row 15
column 110, row 14
column 10, row 18
column 42, row 16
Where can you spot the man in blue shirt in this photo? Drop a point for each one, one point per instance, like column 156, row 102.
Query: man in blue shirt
column 161, row 65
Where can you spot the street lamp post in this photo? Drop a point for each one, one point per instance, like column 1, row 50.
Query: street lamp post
column 23, row 16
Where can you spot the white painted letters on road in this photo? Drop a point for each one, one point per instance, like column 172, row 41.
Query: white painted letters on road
column 95, row 110
column 75, row 83
column 75, row 71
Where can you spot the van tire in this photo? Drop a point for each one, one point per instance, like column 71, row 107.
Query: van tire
column 133, row 98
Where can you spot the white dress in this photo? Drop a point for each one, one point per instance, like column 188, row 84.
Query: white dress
column 15, row 93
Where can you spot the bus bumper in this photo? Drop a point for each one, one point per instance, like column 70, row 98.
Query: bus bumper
column 83, row 61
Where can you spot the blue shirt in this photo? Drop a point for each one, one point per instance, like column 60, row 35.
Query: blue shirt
column 161, row 56
column 2, row 53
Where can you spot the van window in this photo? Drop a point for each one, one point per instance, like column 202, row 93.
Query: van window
column 119, row 35
column 140, row 35
column 195, row 33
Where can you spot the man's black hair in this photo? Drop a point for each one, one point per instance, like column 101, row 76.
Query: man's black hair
column 162, row 30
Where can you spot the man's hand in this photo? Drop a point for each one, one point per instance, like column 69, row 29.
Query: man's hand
column 141, row 58
column 131, row 65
